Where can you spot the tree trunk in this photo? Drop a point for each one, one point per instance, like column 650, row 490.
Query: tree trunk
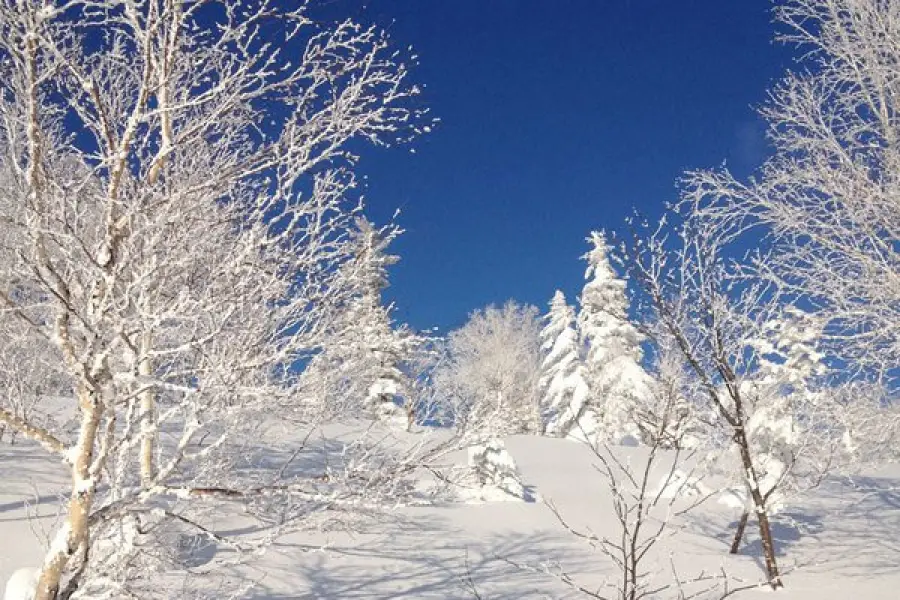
column 768, row 544
column 739, row 534
column 538, row 419
column 148, row 413
column 74, row 535
column 759, row 506
column 410, row 415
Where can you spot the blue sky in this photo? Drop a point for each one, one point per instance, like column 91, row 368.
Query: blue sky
column 558, row 117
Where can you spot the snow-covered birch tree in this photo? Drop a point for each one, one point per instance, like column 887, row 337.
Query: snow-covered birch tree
column 489, row 378
column 615, row 375
column 823, row 217
column 564, row 392
column 774, row 416
column 174, row 209
column 825, row 207
column 692, row 305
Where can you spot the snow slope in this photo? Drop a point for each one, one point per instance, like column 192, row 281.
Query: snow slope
column 840, row 542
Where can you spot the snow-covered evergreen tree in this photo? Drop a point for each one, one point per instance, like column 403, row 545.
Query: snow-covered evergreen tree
column 793, row 429
column 390, row 346
column 564, row 391
column 384, row 350
column 362, row 367
column 613, row 351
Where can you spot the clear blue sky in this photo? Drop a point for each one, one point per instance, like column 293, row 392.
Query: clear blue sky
column 558, row 117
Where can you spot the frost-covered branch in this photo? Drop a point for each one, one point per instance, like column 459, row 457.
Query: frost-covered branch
column 823, row 210
column 176, row 211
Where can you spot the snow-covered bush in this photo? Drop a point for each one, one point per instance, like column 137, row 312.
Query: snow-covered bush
column 494, row 472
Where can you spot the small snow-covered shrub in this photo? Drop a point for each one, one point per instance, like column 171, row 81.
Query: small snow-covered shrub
column 496, row 476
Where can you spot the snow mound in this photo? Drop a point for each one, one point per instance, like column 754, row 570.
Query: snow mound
column 734, row 497
column 21, row 584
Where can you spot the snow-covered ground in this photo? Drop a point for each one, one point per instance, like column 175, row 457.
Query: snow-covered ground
column 842, row 541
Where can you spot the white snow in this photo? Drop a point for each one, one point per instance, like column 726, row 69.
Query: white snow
column 21, row 584
column 836, row 542
column 681, row 484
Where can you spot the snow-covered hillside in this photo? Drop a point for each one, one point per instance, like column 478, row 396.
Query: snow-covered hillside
column 838, row 542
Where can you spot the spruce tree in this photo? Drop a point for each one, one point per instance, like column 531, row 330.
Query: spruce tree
column 362, row 366
column 564, row 392
column 612, row 345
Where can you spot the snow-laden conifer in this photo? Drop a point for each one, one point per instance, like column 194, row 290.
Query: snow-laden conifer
column 361, row 370
column 564, row 392
column 613, row 345
column 494, row 474
column 789, row 420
